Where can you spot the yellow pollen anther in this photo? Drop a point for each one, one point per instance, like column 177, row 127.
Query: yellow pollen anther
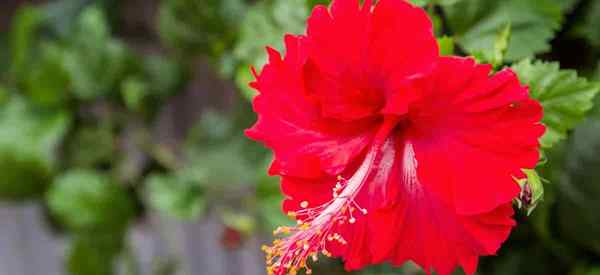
column 304, row 204
column 352, row 220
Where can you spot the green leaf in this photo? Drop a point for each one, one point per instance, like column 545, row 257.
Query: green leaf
column 207, row 27
column 265, row 24
column 94, row 254
column 565, row 96
column 423, row 3
column 47, row 82
column 175, row 196
column 28, row 141
column 23, row 35
column 566, row 5
column 501, row 45
column 87, row 201
column 446, row 44
column 243, row 78
column 4, row 95
column 62, row 15
column 593, row 271
column 476, row 25
column 591, row 26
column 578, row 205
column 312, row 3
column 94, row 61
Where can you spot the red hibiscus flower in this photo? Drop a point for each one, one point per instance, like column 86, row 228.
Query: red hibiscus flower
column 388, row 152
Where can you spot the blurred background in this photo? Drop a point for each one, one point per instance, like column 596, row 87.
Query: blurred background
column 121, row 145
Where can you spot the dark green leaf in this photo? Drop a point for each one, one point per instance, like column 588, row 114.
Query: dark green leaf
column 28, row 141
column 578, row 200
column 47, row 82
column 206, row 27
column 23, row 35
column 94, row 254
column 565, row 96
column 476, row 25
column 591, row 27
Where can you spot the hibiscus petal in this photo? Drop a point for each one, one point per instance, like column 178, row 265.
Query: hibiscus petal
column 476, row 138
column 402, row 43
column 289, row 122
column 422, row 226
column 434, row 235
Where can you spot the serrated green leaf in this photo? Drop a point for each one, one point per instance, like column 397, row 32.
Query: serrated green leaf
column 87, row 201
column 565, row 96
column 476, row 25
column 28, row 140
column 175, row 196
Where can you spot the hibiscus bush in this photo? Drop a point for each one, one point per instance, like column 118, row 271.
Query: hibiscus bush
column 402, row 137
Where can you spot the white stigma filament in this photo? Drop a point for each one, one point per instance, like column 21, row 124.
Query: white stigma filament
column 316, row 225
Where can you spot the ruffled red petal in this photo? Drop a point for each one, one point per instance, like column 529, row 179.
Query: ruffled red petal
column 289, row 122
column 318, row 107
column 473, row 133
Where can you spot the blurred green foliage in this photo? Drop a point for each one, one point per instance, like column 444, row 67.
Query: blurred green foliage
column 82, row 106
